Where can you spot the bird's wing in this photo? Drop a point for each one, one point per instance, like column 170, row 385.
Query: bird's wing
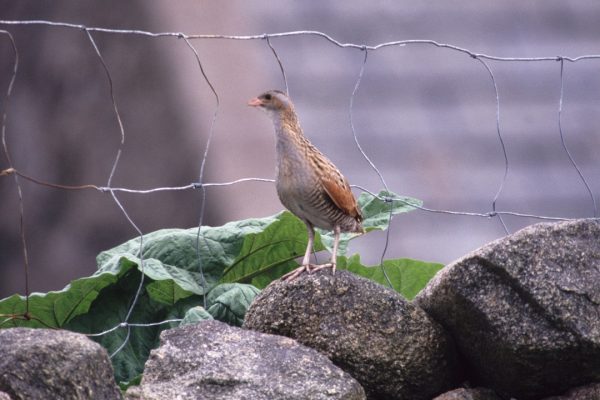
column 337, row 188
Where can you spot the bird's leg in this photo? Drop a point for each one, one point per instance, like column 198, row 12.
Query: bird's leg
column 336, row 243
column 309, row 246
column 306, row 260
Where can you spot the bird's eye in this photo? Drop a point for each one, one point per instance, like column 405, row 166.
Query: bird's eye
column 267, row 96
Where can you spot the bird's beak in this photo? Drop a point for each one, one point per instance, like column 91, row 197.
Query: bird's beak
column 255, row 102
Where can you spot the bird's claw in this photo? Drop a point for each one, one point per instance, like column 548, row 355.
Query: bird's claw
column 323, row 266
column 290, row 276
column 310, row 268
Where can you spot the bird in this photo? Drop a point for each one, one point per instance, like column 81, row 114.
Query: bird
column 308, row 184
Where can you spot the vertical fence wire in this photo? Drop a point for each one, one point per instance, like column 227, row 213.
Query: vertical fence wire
column 562, row 137
column 386, row 198
column 4, row 108
column 501, row 140
column 134, row 301
column 202, row 167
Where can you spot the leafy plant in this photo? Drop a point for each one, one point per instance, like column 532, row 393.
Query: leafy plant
column 408, row 276
column 186, row 276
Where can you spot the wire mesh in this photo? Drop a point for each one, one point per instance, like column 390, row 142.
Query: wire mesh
column 483, row 59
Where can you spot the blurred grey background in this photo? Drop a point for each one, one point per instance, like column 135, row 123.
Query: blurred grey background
column 426, row 117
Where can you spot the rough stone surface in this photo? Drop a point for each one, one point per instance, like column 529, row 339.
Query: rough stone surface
column 525, row 310
column 54, row 364
column 469, row 394
column 215, row 361
column 389, row 345
column 4, row 396
column 588, row 392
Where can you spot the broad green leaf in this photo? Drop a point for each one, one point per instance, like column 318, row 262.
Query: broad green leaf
column 266, row 255
column 408, row 276
column 168, row 283
column 230, row 301
column 166, row 291
column 376, row 212
column 376, row 216
column 109, row 310
column 192, row 261
column 177, row 313
column 195, row 315
column 55, row 309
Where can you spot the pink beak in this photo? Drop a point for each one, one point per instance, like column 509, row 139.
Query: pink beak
column 255, row 102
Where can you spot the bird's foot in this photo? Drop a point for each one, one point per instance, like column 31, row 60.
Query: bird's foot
column 290, row 276
column 309, row 268
column 316, row 268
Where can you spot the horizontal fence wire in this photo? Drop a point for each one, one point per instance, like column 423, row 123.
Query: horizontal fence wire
column 90, row 32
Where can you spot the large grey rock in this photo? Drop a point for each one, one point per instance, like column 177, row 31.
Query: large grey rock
column 54, row 364
column 588, row 392
column 469, row 394
column 215, row 361
column 389, row 345
column 525, row 309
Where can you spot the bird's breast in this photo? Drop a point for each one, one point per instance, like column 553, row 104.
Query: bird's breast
column 294, row 181
column 298, row 187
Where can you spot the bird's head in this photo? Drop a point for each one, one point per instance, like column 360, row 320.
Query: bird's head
column 272, row 102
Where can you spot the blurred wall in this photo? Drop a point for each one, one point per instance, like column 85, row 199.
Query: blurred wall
column 426, row 116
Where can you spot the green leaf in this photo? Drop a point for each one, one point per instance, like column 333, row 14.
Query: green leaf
column 267, row 255
column 408, row 276
column 177, row 313
column 230, row 301
column 195, row 315
column 55, row 309
column 171, row 254
column 109, row 310
column 166, row 291
column 376, row 212
column 376, row 216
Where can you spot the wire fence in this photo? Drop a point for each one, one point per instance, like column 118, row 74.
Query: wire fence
column 91, row 32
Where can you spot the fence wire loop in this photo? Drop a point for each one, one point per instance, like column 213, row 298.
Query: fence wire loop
column 90, row 32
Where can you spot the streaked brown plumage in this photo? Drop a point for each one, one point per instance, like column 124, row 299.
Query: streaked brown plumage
column 308, row 184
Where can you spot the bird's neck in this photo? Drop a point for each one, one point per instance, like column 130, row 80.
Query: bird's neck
column 287, row 124
column 291, row 142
